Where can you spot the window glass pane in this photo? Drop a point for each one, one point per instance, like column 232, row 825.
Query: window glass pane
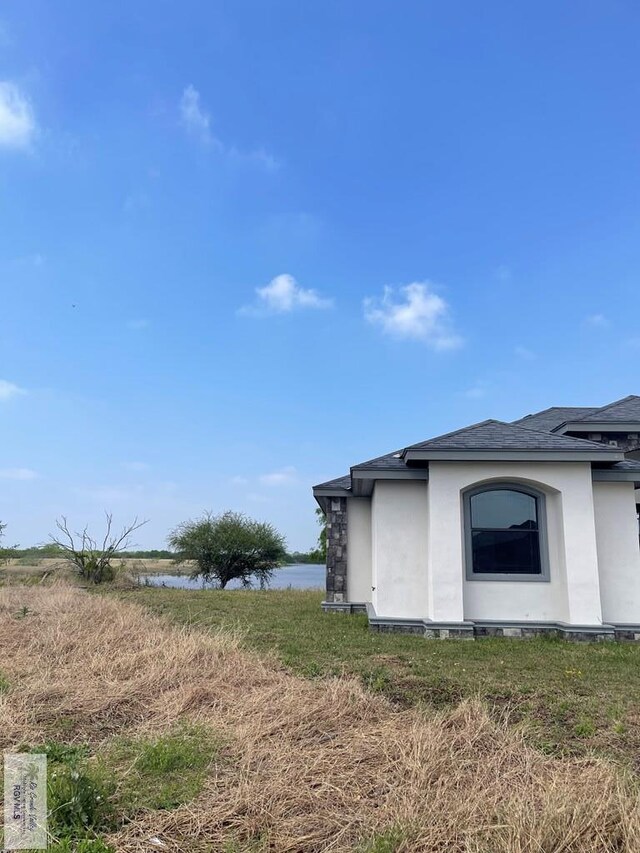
column 506, row 551
column 504, row 509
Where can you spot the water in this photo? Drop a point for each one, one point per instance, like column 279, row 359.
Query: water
column 298, row 576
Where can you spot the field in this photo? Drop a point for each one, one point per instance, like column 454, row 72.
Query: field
column 247, row 722
column 28, row 567
column 569, row 698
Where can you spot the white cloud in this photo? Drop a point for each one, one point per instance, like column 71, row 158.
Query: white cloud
column 17, row 121
column 9, row 390
column 141, row 323
column 599, row 321
column 419, row 314
column 259, row 157
column 282, row 295
column 524, row 353
column 238, row 480
column 196, row 120
column 283, row 477
column 17, row 474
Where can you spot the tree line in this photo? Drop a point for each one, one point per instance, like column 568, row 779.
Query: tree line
column 219, row 548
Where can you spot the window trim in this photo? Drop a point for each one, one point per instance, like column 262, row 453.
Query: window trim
column 543, row 541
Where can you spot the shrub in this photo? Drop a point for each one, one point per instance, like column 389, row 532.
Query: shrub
column 228, row 547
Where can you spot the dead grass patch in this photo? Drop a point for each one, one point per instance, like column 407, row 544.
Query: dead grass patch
column 311, row 765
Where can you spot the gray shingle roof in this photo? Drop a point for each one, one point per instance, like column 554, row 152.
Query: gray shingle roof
column 388, row 462
column 338, row 483
column 533, row 432
column 627, row 409
column 627, row 465
column 497, row 435
column 553, row 417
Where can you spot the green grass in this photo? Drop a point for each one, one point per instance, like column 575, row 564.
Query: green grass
column 162, row 773
column 92, row 793
column 571, row 698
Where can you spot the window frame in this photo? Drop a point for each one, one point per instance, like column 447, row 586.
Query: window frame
column 541, row 507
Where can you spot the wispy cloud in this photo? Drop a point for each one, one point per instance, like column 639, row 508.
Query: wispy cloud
column 135, row 202
column 283, row 477
column 35, row 260
column 238, row 480
column 17, row 120
column 136, row 467
column 524, row 353
column 283, row 295
column 140, row 323
column 18, row 474
column 598, row 321
column 8, row 390
column 416, row 313
column 503, row 273
column 196, row 119
column 259, row 157
column 476, row 392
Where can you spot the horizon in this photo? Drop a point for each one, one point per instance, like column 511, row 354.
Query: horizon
column 246, row 247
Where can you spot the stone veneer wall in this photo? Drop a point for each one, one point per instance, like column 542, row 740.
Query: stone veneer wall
column 337, row 550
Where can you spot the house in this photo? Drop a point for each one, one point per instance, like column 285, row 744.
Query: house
column 511, row 529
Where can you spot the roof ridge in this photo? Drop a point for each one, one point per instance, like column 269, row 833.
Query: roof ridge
column 608, row 406
column 541, row 412
column 392, row 453
column 454, row 432
column 555, row 434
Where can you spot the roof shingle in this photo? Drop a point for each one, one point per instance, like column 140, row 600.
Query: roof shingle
column 553, row 417
column 497, row 435
column 627, row 409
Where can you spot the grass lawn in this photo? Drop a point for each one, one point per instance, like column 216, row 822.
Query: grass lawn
column 572, row 698
column 183, row 740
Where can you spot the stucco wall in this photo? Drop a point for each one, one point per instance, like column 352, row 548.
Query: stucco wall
column 571, row 595
column 618, row 551
column 399, row 537
column 359, row 550
column 407, row 542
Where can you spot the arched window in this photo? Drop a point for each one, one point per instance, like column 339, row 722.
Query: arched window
column 505, row 533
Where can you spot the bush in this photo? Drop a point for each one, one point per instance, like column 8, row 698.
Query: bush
column 228, row 547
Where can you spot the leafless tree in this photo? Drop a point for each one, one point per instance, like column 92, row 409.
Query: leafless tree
column 90, row 558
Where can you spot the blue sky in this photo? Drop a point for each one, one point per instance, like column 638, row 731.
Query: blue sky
column 244, row 245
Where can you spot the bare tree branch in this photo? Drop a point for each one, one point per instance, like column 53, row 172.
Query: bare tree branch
column 82, row 552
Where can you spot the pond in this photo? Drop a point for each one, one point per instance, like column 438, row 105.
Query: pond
column 298, row 576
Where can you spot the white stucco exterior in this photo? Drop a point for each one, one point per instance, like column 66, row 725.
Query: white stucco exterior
column 359, row 550
column 406, row 548
column 618, row 551
column 399, row 547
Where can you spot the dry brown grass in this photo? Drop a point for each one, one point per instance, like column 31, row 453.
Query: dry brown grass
column 313, row 766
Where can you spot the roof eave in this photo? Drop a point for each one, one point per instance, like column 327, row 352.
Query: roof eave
column 597, row 426
column 606, row 475
column 501, row 455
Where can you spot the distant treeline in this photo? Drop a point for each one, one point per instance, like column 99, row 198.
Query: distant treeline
column 304, row 557
column 39, row 552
